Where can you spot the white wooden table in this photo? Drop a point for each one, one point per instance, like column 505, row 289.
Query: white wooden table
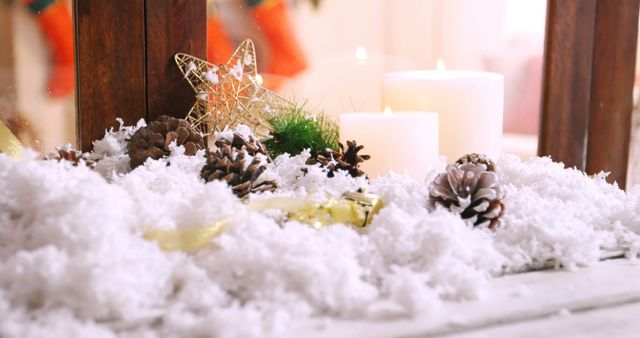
column 599, row 301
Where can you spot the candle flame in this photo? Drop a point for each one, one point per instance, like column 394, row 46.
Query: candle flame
column 440, row 66
column 388, row 111
column 361, row 54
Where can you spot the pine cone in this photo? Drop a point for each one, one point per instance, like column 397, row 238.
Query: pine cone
column 348, row 160
column 477, row 159
column 70, row 154
column 470, row 190
column 250, row 144
column 228, row 164
column 153, row 140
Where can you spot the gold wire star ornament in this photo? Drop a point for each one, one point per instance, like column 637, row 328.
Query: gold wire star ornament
column 230, row 94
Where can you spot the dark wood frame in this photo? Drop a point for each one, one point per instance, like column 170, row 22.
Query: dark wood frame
column 125, row 64
column 588, row 76
column 125, row 69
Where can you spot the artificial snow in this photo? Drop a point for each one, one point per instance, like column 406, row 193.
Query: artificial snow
column 73, row 261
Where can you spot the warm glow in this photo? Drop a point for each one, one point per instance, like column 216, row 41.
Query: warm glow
column 440, row 66
column 361, row 54
column 388, row 111
column 259, row 79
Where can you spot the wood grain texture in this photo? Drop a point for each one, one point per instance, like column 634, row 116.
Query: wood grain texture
column 568, row 58
column 110, row 65
column 588, row 79
column 172, row 26
column 613, row 73
column 7, row 65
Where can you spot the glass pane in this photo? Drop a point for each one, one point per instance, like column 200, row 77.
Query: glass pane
column 36, row 72
column 334, row 54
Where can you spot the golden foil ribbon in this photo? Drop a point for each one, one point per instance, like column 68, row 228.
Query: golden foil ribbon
column 9, row 143
column 356, row 208
column 185, row 239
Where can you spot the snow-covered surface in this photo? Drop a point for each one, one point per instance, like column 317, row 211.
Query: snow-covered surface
column 602, row 300
column 73, row 261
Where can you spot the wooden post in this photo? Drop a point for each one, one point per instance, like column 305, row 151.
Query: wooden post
column 172, row 26
column 110, row 65
column 587, row 84
column 612, row 78
column 7, row 66
column 566, row 81
column 8, row 105
column 124, row 60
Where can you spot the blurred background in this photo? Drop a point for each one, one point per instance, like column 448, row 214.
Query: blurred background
column 349, row 45
column 36, row 71
column 329, row 53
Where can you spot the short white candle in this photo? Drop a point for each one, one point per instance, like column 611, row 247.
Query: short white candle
column 469, row 106
column 398, row 141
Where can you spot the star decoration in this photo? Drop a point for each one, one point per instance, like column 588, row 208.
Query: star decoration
column 230, row 94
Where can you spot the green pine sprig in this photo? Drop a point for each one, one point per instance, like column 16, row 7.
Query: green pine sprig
column 297, row 129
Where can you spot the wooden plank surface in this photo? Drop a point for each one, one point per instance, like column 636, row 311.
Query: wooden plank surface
column 110, row 61
column 566, row 81
column 172, row 26
column 619, row 322
column 614, row 61
column 511, row 300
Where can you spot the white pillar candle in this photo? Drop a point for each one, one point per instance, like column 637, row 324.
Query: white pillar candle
column 469, row 106
column 398, row 141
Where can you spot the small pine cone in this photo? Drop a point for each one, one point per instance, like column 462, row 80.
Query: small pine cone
column 154, row 139
column 250, row 144
column 72, row 155
column 227, row 163
column 470, row 190
column 477, row 159
column 348, row 160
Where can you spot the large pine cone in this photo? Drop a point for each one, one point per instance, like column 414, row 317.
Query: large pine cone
column 154, row 139
column 249, row 143
column 470, row 190
column 227, row 163
column 348, row 159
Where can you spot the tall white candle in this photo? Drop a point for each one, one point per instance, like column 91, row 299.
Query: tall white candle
column 398, row 141
column 469, row 106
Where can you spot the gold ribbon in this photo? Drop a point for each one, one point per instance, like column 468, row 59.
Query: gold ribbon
column 9, row 143
column 354, row 208
column 185, row 239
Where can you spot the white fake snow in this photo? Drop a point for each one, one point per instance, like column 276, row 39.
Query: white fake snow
column 73, row 262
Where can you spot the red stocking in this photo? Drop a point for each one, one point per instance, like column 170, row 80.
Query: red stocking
column 287, row 57
column 54, row 19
